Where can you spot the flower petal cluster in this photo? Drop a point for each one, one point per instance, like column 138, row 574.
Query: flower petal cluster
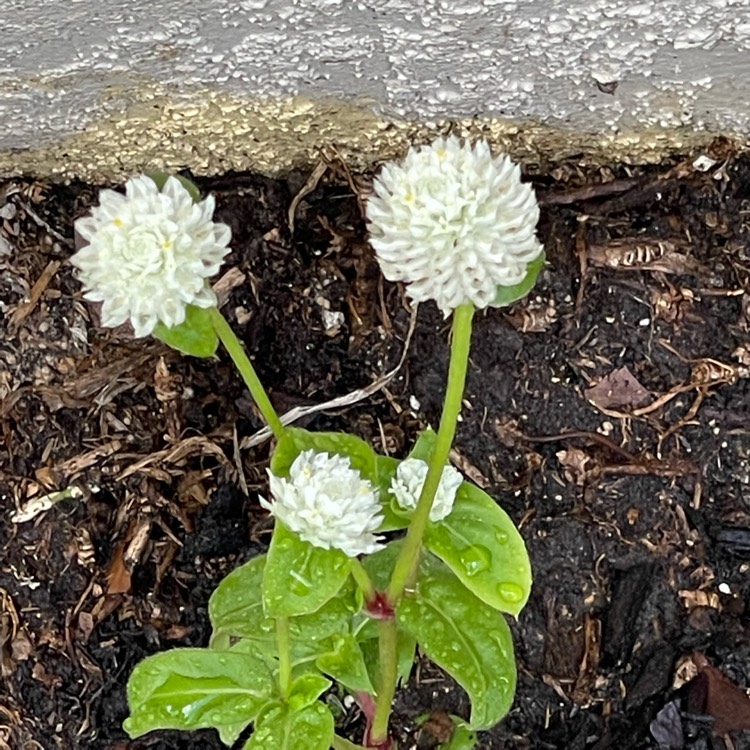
column 327, row 503
column 454, row 223
column 149, row 254
column 407, row 485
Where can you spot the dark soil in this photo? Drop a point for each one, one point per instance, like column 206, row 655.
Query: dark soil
column 638, row 522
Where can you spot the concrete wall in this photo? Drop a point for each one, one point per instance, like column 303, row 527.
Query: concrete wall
column 99, row 87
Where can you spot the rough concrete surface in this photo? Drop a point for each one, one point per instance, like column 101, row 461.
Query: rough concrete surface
column 97, row 88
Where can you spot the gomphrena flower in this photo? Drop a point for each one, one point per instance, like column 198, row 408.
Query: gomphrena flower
column 407, row 485
column 150, row 253
column 327, row 503
column 454, row 223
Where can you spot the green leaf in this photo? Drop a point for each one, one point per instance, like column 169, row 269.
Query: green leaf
column 195, row 336
column 236, row 609
column 195, row 688
column 306, row 689
column 464, row 636
column 463, row 737
column 424, row 446
column 482, row 546
column 405, row 648
column 294, row 441
column 300, row 578
column 236, row 605
column 506, row 295
column 281, row 728
column 346, row 664
column 160, row 178
column 380, row 564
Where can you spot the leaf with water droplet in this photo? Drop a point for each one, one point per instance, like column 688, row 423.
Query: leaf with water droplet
column 465, row 636
column 299, row 578
column 195, row 688
column 482, row 546
column 346, row 664
column 282, row 728
column 306, row 689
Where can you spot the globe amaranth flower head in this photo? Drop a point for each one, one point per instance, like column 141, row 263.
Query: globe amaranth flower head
column 454, row 223
column 150, row 253
column 407, row 485
column 327, row 503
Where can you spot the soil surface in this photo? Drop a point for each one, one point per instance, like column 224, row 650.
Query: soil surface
column 609, row 414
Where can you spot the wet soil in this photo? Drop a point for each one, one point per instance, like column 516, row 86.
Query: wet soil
column 609, row 414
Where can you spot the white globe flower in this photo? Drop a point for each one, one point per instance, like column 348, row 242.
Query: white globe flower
column 454, row 223
column 407, row 485
column 149, row 254
column 327, row 503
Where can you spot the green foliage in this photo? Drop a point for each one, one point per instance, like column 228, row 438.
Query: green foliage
column 424, row 446
column 195, row 336
column 236, row 610
column 465, row 636
column 482, row 546
column 507, row 295
column 299, row 578
column 463, row 737
column 282, row 728
column 345, row 662
column 194, row 688
column 361, row 455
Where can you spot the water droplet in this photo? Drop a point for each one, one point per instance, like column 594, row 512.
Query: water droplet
column 475, row 559
column 501, row 537
column 511, row 592
column 299, row 585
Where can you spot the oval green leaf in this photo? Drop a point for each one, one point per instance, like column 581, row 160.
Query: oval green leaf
column 346, row 664
column 195, row 688
column 482, row 546
column 425, row 445
column 281, row 728
column 300, row 578
column 463, row 635
column 195, row 336
column 236, row 609
column 306, row 689
column 506, row 295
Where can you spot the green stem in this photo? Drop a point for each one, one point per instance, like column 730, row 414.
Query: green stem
column 408, row 559
column 407, row 563
column 285, row 660
column 388, row 652
column 363, row 580
column 247, row 371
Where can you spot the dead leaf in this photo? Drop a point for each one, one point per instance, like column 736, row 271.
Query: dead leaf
column 712, row 693
column 616, row 390
column 692, row 599
column 118, row 577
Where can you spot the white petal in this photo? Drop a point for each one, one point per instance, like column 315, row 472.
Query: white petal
column 454, row 223
column 327, row 504
column 150, row 251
